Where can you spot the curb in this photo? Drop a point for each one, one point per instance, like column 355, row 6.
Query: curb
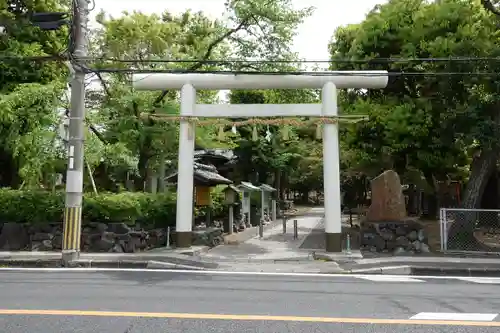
column 171, row 258
column 107, row 263
column 83, row 263
column 295, row 260
column 188, row 253
column 165, row 265
column 441, row 271
column 31, row 263
column 317, row 255
column 387, row 270
column 428, row 271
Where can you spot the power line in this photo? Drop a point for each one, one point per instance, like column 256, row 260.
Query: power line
column 313, row 73
column 240, row 61
column 353, row 61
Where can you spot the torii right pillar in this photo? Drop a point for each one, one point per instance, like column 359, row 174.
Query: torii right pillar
column 331, row 171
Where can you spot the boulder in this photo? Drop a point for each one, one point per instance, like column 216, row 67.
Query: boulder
column 387, row 200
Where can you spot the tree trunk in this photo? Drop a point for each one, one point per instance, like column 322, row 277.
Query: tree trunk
column 9, row 171
column 151, row 184
column 432, row 198
column 277, row 184
column 142, row 166
column 461, row 232
column 162, row 170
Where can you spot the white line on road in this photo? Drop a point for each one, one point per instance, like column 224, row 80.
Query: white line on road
column 381, row 277
column 454, row 316
column 388, row 278
column 483, row 280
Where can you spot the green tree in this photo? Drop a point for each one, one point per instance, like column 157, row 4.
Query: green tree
column 30, row 93
column 287, row 161
column 251, row 29
column 429, row 121
column 425, row 121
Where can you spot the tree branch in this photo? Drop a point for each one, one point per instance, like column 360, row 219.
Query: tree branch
column 209, row 51
column 103, row 84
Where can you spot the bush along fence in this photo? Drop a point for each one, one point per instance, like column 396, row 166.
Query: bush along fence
column 112, row 222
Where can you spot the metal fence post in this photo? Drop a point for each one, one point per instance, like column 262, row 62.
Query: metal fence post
column 445, row 230
column 168, row 236
column 295, row 230
column 261, row 229
column 441, row 229
column 348, row 243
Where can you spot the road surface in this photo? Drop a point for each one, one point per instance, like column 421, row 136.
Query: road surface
column 113, row 301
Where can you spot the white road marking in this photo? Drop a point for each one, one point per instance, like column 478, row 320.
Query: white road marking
column 389, row 278
column 484, row 280
column 371, row 277
column 454, row 316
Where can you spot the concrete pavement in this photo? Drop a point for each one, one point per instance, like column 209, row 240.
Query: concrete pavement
column 117, row 301
column 276, row 245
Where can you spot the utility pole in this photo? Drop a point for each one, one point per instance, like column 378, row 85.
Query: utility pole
column 76, row 133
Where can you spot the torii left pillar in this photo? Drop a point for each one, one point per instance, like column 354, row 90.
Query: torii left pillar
column 185, row 169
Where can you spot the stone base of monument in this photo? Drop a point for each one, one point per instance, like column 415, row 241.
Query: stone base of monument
column 398, row 238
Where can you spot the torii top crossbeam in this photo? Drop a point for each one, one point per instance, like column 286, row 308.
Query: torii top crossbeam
column 209, row 81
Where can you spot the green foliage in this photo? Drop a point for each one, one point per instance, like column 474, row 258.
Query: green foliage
column 295, row 156
column 31, row 206
column 22, row 39
column 30, row 93
column 422, row 122
column 256, row 29
column 27, row 134
column 41, row 207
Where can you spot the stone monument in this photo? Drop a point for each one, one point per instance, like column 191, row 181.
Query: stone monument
column 387, row 200
column 387, row 227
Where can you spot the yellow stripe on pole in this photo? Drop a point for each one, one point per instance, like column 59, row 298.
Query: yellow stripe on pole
column 71, row 229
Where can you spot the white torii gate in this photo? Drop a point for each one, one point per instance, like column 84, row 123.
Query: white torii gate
column 188, row 83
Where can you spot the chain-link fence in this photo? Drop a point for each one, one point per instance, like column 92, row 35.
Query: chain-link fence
column 470, row 230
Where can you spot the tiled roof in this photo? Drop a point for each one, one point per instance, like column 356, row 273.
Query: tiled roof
column 205, row 174
column 267, row 188
column 246, row 186
column 209, row 173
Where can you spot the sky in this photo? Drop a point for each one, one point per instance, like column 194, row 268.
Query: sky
column 313, row 36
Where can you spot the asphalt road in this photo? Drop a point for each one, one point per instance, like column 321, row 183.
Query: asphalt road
column 133, row 302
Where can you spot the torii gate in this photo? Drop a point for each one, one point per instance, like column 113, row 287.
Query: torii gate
column 329, row 83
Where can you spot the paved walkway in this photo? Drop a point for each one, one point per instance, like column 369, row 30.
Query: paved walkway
column 274, row 245
column 278, row 246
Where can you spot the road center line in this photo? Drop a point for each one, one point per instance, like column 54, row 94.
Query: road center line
column 205, row 316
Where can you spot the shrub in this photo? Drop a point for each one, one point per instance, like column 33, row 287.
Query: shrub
column 130, row 207
column 30, row 206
